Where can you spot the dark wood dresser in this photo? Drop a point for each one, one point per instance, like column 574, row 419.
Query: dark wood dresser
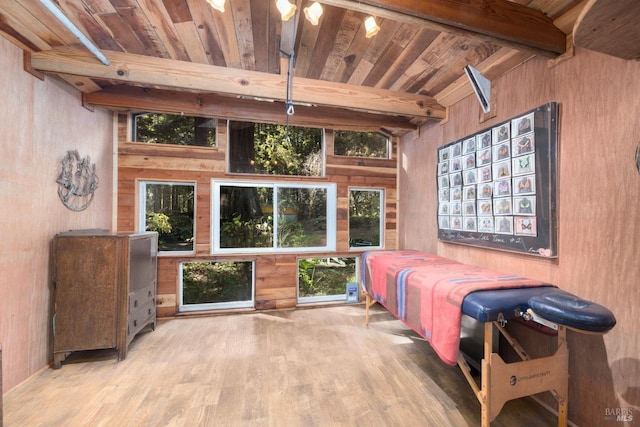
column 105, row 290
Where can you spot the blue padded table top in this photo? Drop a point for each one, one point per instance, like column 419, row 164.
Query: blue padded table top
column 485, row 306
column 548, row 302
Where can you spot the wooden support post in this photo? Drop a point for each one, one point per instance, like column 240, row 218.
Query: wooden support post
column 370, row 301
column 366, row 310
column 502, row 381
column 486, row 381
column 563, row 394
column 464, row 367
column 514, row 344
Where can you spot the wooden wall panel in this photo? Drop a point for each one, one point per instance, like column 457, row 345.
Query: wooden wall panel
column 41, row 120
column 276, row 274
column 276, row 281
column 167, row 274
column 598, row 213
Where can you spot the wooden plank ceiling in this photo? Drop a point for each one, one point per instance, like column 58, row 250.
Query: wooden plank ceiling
column 184, row 56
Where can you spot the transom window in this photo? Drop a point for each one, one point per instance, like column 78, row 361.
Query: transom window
column 168, row 208
column 157, row 128
column 360, row 144
column 251, row 217
column 268, row 149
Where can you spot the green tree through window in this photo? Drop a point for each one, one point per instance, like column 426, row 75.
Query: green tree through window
column 325, row 279
column 365, row 217
column 360, row 144
column 168, row 208
column 269, row 149
column 174, row 129
column 216, row 284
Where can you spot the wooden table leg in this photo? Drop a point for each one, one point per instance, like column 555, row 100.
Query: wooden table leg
column 368, row 303
column 486, row 375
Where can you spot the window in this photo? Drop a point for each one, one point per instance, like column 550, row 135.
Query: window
column 325, row 279
column 251, row 217
column 360, row 144
column 207, row 285
column 268, row 149
column 168, row 208
column 173, row 129
column 366, row 218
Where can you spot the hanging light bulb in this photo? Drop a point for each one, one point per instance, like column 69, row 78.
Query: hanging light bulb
column 217, row 4
column 287, row 10
column 313, row 13
column 371, row 26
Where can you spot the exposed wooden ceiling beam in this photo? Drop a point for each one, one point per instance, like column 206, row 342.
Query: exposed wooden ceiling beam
column 168, row 73
column 502, row 22
column 130, row 98
column 610, row 27
column 494, row 66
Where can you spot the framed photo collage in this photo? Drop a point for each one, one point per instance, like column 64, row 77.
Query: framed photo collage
column 494, row 186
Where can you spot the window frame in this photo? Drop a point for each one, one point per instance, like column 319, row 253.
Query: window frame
column 133, row 130
column 183, row 308
column 326, row 298
column 331, row 216
column 142, row 210
column 387, row 137
column 382, row 193
column 267, row 176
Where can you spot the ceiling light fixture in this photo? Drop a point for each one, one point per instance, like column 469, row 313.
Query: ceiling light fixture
column 287, row 10
column 371, row 26
column 313, row 13
column 217, row 4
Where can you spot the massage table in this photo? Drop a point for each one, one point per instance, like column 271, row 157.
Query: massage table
column 429, row 294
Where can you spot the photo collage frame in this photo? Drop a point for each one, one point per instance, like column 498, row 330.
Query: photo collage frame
column 495, row 187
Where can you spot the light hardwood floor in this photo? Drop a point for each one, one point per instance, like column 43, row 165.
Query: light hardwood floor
column 305, row 367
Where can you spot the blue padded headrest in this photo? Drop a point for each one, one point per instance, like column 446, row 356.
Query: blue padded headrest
column 566, row 309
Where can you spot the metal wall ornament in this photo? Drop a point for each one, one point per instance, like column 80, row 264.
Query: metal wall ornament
column 77, row 181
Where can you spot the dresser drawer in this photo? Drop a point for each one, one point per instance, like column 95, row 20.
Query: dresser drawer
column 142, row 311
column 140, row 298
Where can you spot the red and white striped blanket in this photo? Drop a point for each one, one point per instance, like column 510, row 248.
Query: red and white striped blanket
column 425, row 291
